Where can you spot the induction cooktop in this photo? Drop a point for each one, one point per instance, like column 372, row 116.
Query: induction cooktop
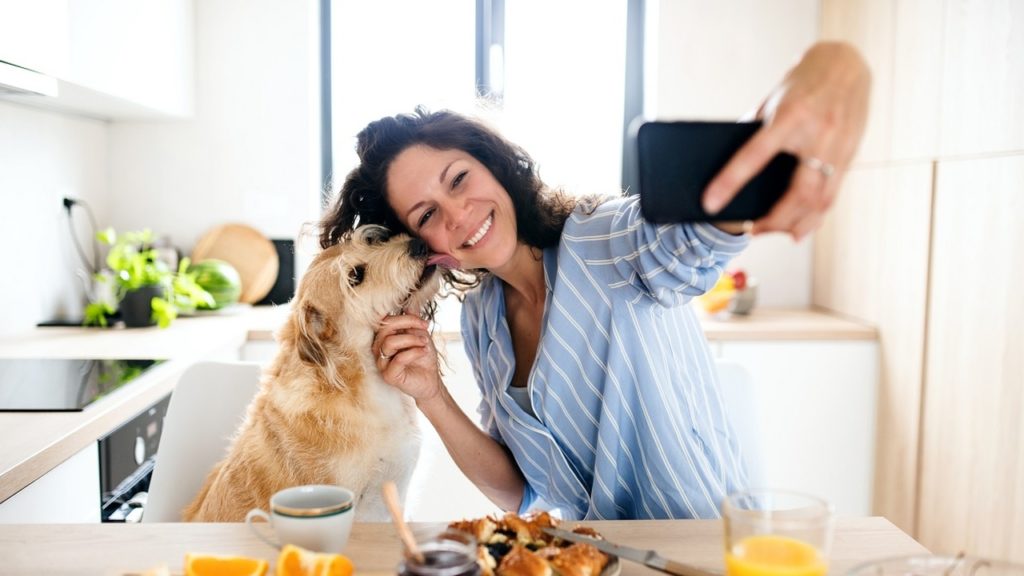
column 62, row 385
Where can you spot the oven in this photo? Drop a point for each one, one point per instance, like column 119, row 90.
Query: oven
column 127, row 457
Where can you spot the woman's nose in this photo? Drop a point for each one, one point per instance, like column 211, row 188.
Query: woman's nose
column 458, row 211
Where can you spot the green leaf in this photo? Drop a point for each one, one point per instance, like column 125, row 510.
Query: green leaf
column 107, row 236
column 164, row 312
column 96, row 314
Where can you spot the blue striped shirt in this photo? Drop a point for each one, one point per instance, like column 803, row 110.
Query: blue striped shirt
column 627, row 421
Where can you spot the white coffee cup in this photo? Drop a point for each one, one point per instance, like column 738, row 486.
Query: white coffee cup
column 317, row 517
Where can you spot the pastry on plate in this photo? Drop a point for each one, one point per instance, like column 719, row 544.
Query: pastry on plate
column 513, row 545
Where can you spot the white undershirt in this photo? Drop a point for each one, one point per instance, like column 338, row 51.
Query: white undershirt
column 521, row 394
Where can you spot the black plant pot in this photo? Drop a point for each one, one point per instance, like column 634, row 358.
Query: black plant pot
column 137, row 306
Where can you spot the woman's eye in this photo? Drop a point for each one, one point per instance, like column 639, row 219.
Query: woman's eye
column 426, row 216
column 356, row 275
column 458, row 179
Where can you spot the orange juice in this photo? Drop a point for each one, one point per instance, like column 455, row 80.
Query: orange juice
column 771, row 555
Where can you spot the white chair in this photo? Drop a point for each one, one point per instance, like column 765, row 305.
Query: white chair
column 743, row 408
column 206, row 407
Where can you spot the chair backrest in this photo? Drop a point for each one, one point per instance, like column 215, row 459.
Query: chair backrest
column 206, row 407
column 743, row 408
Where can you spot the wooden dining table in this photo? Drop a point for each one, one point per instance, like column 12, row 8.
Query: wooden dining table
column 118, row 549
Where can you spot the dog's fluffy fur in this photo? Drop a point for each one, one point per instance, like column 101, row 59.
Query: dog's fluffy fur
column 323, row 415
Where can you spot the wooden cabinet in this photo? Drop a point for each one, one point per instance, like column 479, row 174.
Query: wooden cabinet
column 972, row 442
column 925, row 241
column 871, row 263
column 114, row 59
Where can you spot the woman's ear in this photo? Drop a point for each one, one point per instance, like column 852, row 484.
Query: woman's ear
column 315, row 331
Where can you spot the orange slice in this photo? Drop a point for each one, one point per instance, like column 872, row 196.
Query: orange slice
column 210, row 565
column 295, row 561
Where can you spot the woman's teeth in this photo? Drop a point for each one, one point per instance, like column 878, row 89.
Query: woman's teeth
column 481, row 232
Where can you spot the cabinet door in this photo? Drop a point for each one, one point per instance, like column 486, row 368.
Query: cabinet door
column 141, row 52
column 972, row 458
column 35, row 35
column 68, row 494
column 817, row 410
column 113, row 58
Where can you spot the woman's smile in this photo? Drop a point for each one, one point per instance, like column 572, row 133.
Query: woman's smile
column 481, row 232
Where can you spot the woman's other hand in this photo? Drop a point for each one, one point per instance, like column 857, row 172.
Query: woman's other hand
column 818, row 113
column 406, row 356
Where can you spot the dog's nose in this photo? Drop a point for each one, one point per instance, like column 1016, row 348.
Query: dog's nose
column 418, row 248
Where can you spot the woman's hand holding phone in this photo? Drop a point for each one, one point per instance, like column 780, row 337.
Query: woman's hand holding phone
column 676, row 160
column 817, row 114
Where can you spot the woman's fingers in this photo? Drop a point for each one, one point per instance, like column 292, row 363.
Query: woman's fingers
column 817, row 114
column 811, row 192
column 405, row 355
column 396, row 342
column 391, row 325
column 748, row 161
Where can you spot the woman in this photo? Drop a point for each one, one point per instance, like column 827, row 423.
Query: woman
column 598, row 391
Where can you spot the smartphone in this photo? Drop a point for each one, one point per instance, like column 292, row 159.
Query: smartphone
column 677, row 160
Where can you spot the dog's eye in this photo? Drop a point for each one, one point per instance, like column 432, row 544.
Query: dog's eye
column 355, row 275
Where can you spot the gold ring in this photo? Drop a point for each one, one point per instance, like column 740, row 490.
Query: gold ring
column 820, row 165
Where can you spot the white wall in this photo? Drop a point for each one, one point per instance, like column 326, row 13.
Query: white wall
column 717, row 61
column 250, row 153
column 45, row 156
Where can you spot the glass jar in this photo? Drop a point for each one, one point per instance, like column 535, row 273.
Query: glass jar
column 446, row 553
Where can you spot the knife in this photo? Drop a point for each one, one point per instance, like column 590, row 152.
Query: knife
column 648, row 558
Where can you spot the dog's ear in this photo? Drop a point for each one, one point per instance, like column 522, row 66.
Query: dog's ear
column 315, row 331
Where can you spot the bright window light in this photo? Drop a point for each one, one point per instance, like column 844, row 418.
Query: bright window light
column 563, row 81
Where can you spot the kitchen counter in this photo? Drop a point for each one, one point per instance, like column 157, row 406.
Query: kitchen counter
column 35, row 443
column 374, row 548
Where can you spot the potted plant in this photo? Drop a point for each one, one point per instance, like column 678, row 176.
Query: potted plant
column 140, row 287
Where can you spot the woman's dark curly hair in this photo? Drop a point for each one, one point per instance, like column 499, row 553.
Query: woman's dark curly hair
column 540, row 212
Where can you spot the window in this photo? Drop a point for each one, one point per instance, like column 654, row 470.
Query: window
column 388, row 56
column 560, row 66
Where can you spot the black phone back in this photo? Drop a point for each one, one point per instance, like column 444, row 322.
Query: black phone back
column 677, row 160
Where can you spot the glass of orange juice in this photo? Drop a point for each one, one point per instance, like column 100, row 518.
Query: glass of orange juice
column 776, row 533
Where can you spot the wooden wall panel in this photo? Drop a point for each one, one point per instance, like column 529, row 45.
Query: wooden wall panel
column 870, row 263
column 983, row 77
column 917, row 79
column 868, row 25
column 972, row 462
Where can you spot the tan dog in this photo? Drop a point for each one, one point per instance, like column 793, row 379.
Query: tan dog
column 323, row 415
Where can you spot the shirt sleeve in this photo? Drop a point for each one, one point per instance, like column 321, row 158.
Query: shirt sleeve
column 472, row 330
column 529, row 498
column 670, row 262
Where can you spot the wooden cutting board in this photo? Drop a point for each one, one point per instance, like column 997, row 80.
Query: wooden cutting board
column 248, row 250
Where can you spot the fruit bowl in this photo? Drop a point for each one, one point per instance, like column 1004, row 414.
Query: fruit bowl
column 734, row 293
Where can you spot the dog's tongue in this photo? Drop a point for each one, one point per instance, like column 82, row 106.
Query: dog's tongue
column 443, row 260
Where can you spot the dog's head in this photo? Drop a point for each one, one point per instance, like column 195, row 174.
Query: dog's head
column 351, row 285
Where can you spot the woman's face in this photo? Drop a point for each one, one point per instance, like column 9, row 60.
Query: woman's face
column 454, row 203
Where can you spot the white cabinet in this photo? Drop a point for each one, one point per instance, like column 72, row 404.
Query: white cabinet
column 35, row 35
column 815, row 407
column 109, row 58
column 68, row 494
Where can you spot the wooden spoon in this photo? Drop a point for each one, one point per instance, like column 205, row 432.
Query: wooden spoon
column 391, row 500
